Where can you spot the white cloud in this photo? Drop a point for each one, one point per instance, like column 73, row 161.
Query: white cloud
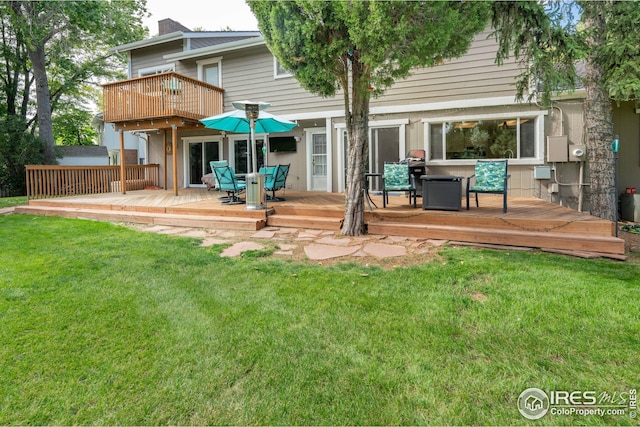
column 204, row 14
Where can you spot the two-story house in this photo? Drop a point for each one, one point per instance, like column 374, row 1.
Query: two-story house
column 457, row 112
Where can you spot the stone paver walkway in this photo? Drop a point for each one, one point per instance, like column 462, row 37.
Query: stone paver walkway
column 315, row 245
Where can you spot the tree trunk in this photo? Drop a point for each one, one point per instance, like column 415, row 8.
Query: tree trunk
column 357, row 154
column 45, row 128
column 356, row 162
column 603, row 199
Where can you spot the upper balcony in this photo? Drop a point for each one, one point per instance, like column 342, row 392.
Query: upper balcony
column 159, row 101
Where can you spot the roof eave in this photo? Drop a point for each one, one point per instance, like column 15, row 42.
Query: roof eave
column 215, row 49
column 178, row 35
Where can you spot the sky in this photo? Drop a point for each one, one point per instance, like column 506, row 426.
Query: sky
column 211, row 15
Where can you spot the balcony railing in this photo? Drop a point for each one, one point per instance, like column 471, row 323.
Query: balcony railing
column 161, row 96
column 45, row 181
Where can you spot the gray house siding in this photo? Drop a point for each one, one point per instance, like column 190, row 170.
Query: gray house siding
column 473, row 76
column 153, row 56
column 249, row 74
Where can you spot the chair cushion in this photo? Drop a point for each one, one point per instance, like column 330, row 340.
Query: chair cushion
column 398, row 187
column 486, row 189
column 490, row 177
column 396, row 175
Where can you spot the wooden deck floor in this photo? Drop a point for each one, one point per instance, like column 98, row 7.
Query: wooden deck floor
column 528, row 222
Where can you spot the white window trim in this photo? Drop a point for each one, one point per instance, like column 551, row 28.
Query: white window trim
column 538, row 116
column 341, row 128
column 158, row 69
column 275, row 71
column 202, row 63
column 185, row 153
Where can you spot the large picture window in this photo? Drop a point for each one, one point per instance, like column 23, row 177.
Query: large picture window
column 483, row 138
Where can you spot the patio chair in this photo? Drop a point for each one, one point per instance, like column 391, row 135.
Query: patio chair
column 228, row 182
column 217, row 164
column 267, row 171
column 396, row 177
column 490, row 177
column 276, row 181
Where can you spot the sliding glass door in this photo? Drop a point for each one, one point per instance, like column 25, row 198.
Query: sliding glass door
column 200, row 153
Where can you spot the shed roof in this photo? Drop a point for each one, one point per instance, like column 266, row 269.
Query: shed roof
column 83, row 151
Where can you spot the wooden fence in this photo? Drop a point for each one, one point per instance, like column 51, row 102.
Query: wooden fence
column 45, row 181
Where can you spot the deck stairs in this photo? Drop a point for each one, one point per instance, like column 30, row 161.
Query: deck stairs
column 579, row 236
column 581, row 233
column 169, row 217
column 303, row 217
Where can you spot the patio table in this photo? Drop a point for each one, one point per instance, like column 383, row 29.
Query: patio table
column 441, row 192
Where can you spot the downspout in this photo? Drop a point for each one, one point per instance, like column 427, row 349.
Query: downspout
column 580, row 185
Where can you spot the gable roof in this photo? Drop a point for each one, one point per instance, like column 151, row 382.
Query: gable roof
column 208, row 38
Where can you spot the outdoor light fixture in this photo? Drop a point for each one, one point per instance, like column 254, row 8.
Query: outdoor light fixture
column 252, row 111
column 255, row 191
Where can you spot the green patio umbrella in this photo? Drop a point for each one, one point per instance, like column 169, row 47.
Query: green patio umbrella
column 249, row 117
column 236, row 121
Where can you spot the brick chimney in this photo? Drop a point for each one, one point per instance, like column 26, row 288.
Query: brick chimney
column 168, row 25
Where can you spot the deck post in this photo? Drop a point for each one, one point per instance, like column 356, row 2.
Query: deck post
column 174, row 142
column 164, row 149
column 123, row 177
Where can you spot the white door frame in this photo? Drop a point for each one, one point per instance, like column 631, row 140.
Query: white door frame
column 341, row 128
column 309, row 132
column 239, row 137
column 185, row 147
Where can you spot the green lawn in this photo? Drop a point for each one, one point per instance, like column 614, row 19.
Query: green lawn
column 104, row 325
column 7, row 202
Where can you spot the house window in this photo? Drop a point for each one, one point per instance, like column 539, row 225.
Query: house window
column 483, row 138
column 150, row 71
column 210, row 71
column 279, row 71
column 240, row 152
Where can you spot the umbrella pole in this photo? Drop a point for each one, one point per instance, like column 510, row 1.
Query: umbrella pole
column 254, row 157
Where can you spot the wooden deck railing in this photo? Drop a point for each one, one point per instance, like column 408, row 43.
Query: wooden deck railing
column 45, row 181
column 161, row 95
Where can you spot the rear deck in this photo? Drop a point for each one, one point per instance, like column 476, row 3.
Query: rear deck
column 530, row 222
